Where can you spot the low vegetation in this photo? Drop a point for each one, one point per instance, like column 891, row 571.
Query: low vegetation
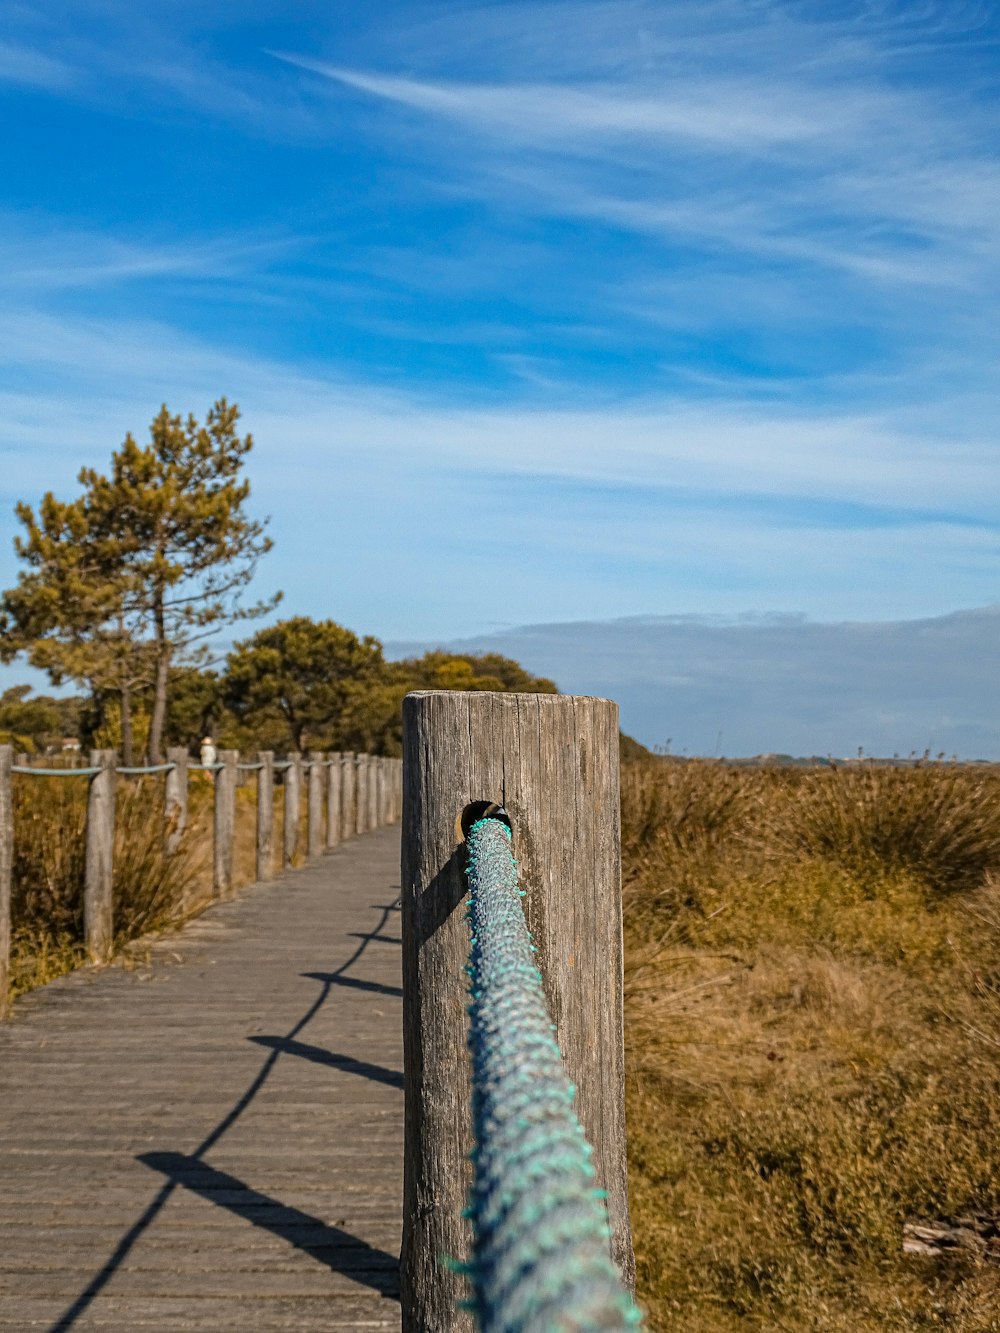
column 813, row 1031
column 151, row 889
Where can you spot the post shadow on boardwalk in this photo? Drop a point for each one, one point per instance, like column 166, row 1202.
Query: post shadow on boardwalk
column 377, row 1073
column 71, row 1316
column 339, row 1250
column 354, row 983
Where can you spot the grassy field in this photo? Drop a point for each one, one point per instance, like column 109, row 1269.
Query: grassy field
column 813, row 1043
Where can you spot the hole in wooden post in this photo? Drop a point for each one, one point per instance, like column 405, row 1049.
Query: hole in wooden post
column 477, row 810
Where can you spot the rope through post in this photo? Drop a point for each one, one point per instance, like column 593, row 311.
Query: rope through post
column 541, row 1259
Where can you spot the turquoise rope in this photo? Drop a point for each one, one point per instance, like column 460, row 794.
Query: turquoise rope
column 541, row 1260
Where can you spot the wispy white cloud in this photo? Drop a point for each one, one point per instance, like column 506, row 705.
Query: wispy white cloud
column 707, row 113
column 32, row 68
column 41, row 256
column 603, row 510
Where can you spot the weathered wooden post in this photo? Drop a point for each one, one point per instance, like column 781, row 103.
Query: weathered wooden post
column 6, row 868
column 98, row 924
column 293, row 777
column 348, row 787
column 333, row 799
column 225, row 823
column 314, row 832
column 265, row 815
column 374, row 792
column 361, row 794
column 552, row 762
column 175, row 797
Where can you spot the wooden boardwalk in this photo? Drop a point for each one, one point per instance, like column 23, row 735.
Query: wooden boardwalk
column 214, row 1141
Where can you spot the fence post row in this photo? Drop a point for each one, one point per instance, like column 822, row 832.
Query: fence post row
column 358, row 790
column 552, row 762
column 6, row 867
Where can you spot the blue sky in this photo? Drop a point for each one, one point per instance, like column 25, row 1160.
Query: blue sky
column 537, row 312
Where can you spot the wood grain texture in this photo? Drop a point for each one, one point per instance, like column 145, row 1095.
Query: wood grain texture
column 265, row 816
column 175, row 797
column 224, row 824
column 213, row 1139
column 333, row 798
column 361, row 793
column 315, row 831
column 552, row 762
column 98, row 926
column 374, row 809
column 292, row 778
column 348, row 788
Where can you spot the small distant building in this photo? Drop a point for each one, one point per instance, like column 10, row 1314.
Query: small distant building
column 70, row 745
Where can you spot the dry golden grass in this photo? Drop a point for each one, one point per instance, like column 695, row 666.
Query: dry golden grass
column 813, row 1043
column 152, row 891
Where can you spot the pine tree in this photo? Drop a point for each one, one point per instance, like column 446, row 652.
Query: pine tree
column 130, row 578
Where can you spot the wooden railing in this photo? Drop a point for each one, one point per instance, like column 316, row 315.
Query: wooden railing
column 347, row 794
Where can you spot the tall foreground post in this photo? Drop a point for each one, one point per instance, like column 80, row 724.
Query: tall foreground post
column 552, row 762
column 6, row 868
column 98, row 925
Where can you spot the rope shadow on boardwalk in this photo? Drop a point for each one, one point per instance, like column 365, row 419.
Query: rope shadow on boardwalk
column 183, row 1169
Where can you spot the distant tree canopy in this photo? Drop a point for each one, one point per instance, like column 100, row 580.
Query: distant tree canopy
column 305, row 673
column 36, row 723
column 303, row 684
column 123, row 583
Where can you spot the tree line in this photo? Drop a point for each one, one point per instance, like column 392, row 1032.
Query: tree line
column 123, row 587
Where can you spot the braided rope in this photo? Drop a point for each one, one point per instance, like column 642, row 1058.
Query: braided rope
column 541, row 1261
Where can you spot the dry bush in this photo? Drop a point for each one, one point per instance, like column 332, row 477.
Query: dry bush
column 678, row 819
column 813, row 1046
column 939, row 822
column 150, row 888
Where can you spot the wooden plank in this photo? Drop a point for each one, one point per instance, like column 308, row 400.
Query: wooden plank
column 552, row 762
column 268, row 1032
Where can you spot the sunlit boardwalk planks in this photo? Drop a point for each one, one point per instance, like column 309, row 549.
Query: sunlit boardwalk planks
column 215, row 1140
